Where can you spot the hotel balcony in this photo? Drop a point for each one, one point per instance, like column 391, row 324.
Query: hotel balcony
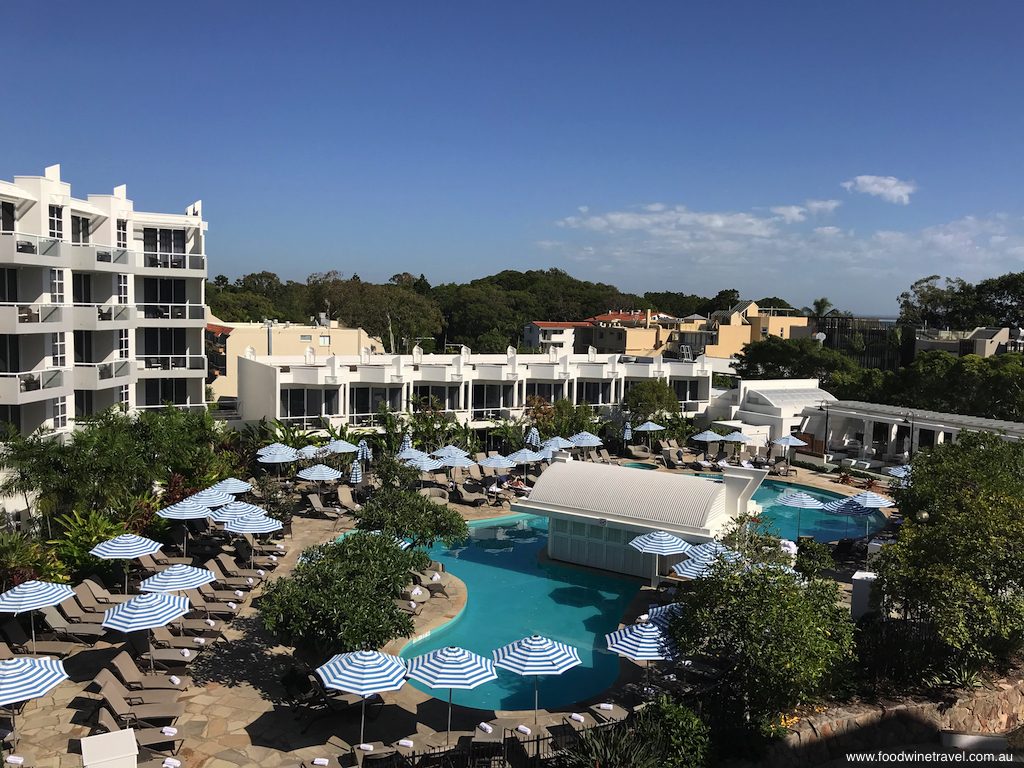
column 158, row 264
column 102, row 375
column 171, row 315
column 18, row 249
column 102, row 317
column 32, row 318
column 171, row 366
column 34, row 386
column 94, row 257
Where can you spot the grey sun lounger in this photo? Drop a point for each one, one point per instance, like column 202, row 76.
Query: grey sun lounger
column 133, row 678
column 148, row 737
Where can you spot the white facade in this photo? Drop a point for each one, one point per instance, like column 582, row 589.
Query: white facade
column 543, row 336
column 100, row 304
column 312, row 391
column 768, row 408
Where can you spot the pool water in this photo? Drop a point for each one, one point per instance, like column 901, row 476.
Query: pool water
column 788, row 522
column 639, row 465
column 512, row 595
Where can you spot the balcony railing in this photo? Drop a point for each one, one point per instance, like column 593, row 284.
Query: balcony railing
column 172, row 362
column 31, row 381
column 112, row 370
column 306, row 422
column 31, row 314
column 160, row 260
column 172, row 311
column 31, row 244
column 109, row 313
column 108, row 255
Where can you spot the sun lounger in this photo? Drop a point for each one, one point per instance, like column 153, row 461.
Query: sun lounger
column 260, row 562
column 316, row 504
column 148, row 715
column 148, row 737
column 464, row 495
column 104, row 599
column 670, row 462
column 406, row 607
column 164, row 638
column 209, row 608
column 475, row 473
column 605, row 456
column 264, row 547
column 223, row 595
column 230, row 568
column 133, row 678
column 230, row 582
column 21, row 644
column 107, row 682
column 83, row 633
column 163, row 658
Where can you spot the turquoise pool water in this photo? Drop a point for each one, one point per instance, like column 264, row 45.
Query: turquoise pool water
column 786, row 521
column 639, row 465
column 511, row 595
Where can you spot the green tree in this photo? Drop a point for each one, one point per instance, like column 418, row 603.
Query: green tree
column 958, row 565
column 341, row 597
column 410, row 515
column 777, row 358
column 649, row 398
column 818, row 309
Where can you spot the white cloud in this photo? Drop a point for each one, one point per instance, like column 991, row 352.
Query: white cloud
column 889, row 188
column 822, row 206
column 706, row 251
column 790, row 213
column 583, row 208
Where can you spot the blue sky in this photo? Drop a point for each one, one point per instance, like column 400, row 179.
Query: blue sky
column 657, row 146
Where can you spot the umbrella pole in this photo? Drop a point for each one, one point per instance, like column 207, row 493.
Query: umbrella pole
column 32, row 623
column 798, row 525
column 126, row 577
column 448, row 733
column 152, row 653
column 362, row 721
column 536, row 697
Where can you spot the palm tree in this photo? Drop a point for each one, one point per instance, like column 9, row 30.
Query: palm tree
column 818, row 309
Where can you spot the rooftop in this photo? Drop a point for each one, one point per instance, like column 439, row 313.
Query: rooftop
column 922, row 417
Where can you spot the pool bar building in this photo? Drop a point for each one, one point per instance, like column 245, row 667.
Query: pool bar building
column 595, row 510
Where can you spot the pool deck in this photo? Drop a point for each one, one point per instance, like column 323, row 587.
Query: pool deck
column 233, row 713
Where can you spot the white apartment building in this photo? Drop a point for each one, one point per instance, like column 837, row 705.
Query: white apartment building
column 542, row 334
column 313, row 391
column 100, row 304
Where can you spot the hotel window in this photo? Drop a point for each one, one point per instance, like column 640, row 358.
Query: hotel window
column 122, row 233
column 331, row 400
column 122, row 395
column 325, row 341
column 8, row 285
column 305, row 337
column 122, row 344
column 6, row 217
column 79, row 230
column 122, row 289
column 163, row 391
column 83, row 403
column 56, row 286
column 56, row 221
column 58, row 350
column 60, row 412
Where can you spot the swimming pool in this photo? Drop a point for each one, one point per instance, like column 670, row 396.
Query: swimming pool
column 511, row 595
column 639, row 465
column 787, row 521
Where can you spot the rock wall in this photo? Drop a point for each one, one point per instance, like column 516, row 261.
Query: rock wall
column 820, row 738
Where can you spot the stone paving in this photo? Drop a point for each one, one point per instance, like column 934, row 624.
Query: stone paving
column 234, row 715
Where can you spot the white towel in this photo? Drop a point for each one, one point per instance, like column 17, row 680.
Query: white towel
column 168, row 730
column 211, row 623
column 281, row 547
column 260, row 572
column 321, row 761
column 175, row 679
column 417, row 591
column 273, row 558
column 436, row 576
column 576, row 716
column 523, row 729
column 486, row 727
column 412, row 604
column 249, row 580
column 406, row 743
column 233, row 606
column 170, row 762
column 605, row 706
column 239, row 593
column 186, row 652
column 643, row 618
column 366, row 747
column 199, row 640
column 15, row 760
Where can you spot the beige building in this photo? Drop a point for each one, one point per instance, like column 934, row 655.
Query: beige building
column 726, row 332
column 983, row 341
column 229, row 341
column 637, row 332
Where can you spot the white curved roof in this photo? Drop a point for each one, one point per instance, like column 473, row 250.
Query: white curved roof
column 678, row 503
column 798, row 397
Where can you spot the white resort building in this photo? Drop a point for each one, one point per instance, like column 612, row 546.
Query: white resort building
column 595, row 510
column 100, row 304
column 313, row 391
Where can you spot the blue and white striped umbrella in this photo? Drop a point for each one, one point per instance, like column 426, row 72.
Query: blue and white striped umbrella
column 641, row 642
column 559, row 444
column 497, row 462
column 525, row 456
column 363, row 451
column 457, row 461
column 402, row 543
column 284, row 456
column 900, row 472
column 660, row 543
column 701, row 559
column 737, row 437
column 406, row 443
column 363, row 673
column 26, row 678
column 694, row 569
column 32, row 595
column 873, row 500
column 449, row 450
column 663, row 614
column 313, row 451
column 712, row 549
column 585, row 440
column 535, row 656
column 409, row 453
column 799, row 500
column 232, row 485
column 789, row 441
column 707, row 436
column 177, row 578
column 533, row 437
column 342, row 446
column 127, row 546
column 237, row 509
column 148, row 611
column 253, row 524
column 273, row 448
column 451, row 668
column 319, row 473
column 211, row 498
column 355, row 475
column 186, row 509
column 425, row 463
column 848, row 506
column 650, row 426
column 627, row 432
